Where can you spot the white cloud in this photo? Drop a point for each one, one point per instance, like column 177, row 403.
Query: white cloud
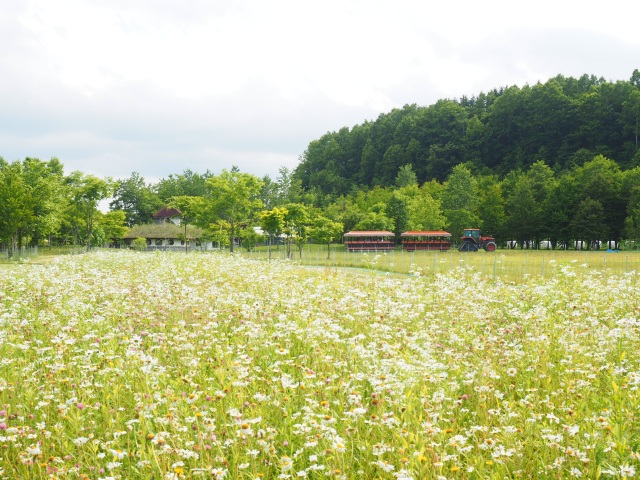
column 158, row 86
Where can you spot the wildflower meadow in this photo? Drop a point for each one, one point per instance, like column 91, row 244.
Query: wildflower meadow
column 120, row 365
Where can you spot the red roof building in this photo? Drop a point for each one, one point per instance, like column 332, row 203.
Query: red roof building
column 166, row 215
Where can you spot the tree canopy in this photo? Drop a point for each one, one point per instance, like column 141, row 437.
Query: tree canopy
column 557, row 161
column 558, row 122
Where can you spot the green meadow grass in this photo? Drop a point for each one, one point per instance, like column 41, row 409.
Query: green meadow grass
column 505, row 265
column 125, row 365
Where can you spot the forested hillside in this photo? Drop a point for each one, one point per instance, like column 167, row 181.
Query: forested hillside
column 564, row 122
column 557, row 161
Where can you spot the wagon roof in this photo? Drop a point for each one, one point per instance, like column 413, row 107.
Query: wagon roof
column 359, row 233
column 440, row 233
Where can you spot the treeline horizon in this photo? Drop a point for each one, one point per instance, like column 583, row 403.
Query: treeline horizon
column 503, row 162
column 595, row 202
column 565, row 122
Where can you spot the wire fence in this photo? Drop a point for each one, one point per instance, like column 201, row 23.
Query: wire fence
column 29, row 253
column 510, row 265
column 503, row 265
column 19, row 253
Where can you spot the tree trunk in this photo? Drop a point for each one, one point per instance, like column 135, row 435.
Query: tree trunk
column 10, row 246
column 89, row 233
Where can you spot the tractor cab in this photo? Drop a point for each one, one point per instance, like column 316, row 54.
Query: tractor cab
column 473, row 233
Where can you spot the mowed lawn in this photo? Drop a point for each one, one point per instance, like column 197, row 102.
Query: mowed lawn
column 117, row 365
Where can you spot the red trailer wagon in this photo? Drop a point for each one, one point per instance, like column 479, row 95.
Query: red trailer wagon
column 427, row 240
column 369, row 241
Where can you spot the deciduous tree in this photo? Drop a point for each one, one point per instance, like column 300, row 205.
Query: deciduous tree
column 188, row 183
column 109, row 226
column 588, row 223
column 296, row 226
column 272, row 223
column 234, row 197
column 44, row 179
column 86, row 192
column 15, row 211
column 460, row 201
column 326, row 231
column 137, row 199
column 425, row 213
column 406, row 176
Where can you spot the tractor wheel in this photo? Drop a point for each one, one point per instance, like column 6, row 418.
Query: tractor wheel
column 468, row 246
column 490, row 247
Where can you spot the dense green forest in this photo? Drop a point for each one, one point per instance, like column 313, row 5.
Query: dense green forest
column 557, row 161
column 564, row 122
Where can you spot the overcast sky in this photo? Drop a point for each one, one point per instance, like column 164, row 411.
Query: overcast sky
column 158, row 86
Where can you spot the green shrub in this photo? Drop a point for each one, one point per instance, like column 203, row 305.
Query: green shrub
column 139, row 244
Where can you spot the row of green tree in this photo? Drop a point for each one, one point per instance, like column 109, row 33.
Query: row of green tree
column 590, row 203
column 556, row 161
column 595, row 201
column 564, row 122
column 40, row 204
column 235, row 203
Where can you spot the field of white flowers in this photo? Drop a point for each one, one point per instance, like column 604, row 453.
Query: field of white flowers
column 136, row 365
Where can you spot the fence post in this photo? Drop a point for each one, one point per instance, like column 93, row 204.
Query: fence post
column 495, row 264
